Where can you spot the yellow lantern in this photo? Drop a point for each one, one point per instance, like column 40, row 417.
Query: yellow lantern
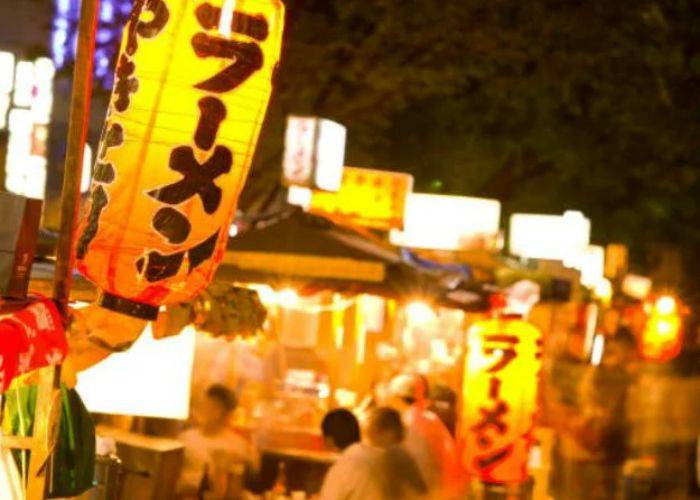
column 500, row 399
column 192, row 83
column 662, row 337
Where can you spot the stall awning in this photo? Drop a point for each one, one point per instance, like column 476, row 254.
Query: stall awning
column 313, row 253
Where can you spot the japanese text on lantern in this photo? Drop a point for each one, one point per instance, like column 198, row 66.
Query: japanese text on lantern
column 500, row 394
column 189, row 98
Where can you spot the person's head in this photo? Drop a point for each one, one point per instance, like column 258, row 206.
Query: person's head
column 340, row 428
column 218, row 403
column 385, row 427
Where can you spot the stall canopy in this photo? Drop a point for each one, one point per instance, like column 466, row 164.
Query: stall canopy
column 309, row 252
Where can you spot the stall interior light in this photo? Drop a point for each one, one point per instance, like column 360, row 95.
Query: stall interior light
column 265, row 292
column 288, row 298
column 603, row 290
column 597, row 350
column 338, row 322
column 666, row 305
column 440, row 352
column 420, row 313
column 636, row 286
column 345, row 397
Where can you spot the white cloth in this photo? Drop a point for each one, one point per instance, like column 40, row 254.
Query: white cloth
column 225, row 450
column 354, row 475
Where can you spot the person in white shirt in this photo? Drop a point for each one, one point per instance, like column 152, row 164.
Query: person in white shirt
column 216, row 457
column 399, row 474
column 354, row 474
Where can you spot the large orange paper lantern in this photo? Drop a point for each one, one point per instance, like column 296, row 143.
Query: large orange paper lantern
column 192, row 83
column 500, row 399
column 662, row 337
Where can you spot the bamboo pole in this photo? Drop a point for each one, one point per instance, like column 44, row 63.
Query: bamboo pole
column 77, row 134
column 47, row 414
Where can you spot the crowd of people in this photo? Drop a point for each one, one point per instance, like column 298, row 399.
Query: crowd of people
column 396, row 448
column 405, row 451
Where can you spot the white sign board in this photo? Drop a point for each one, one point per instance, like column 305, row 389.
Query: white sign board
column 314, row 153
column 152, row 379
column 591, row 263
column 554, row 237
column 444, row 222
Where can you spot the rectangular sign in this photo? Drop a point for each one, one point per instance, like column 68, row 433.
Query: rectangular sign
column 314, row 153
column 369, row 198
column 443, row 222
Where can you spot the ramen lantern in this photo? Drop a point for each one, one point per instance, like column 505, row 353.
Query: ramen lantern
column 500, row 399
column 192, row 83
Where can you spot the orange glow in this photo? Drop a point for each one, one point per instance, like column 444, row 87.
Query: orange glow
column 371, row 198
column 500, row 399
column 182, row 126
column 662, row 337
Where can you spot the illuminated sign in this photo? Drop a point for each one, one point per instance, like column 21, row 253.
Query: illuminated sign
column 500, row 399
column 314, row 153
column 555, row 237
column 178, row 141
column 28, row 111
column 448, row 222
column 370, row 198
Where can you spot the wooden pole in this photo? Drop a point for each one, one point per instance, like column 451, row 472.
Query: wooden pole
column 77, row 134
column 47, row 414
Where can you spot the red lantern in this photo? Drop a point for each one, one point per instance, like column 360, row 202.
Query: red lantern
column 192, row 83
column 500, row 399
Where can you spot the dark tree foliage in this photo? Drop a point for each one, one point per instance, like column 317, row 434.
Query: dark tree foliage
column 544, row 104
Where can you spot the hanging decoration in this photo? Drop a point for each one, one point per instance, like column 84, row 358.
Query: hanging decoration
column 500, row 398
column 32, row 338
column 192, row 84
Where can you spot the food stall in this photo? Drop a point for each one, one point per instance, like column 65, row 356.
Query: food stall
column 345, row 308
